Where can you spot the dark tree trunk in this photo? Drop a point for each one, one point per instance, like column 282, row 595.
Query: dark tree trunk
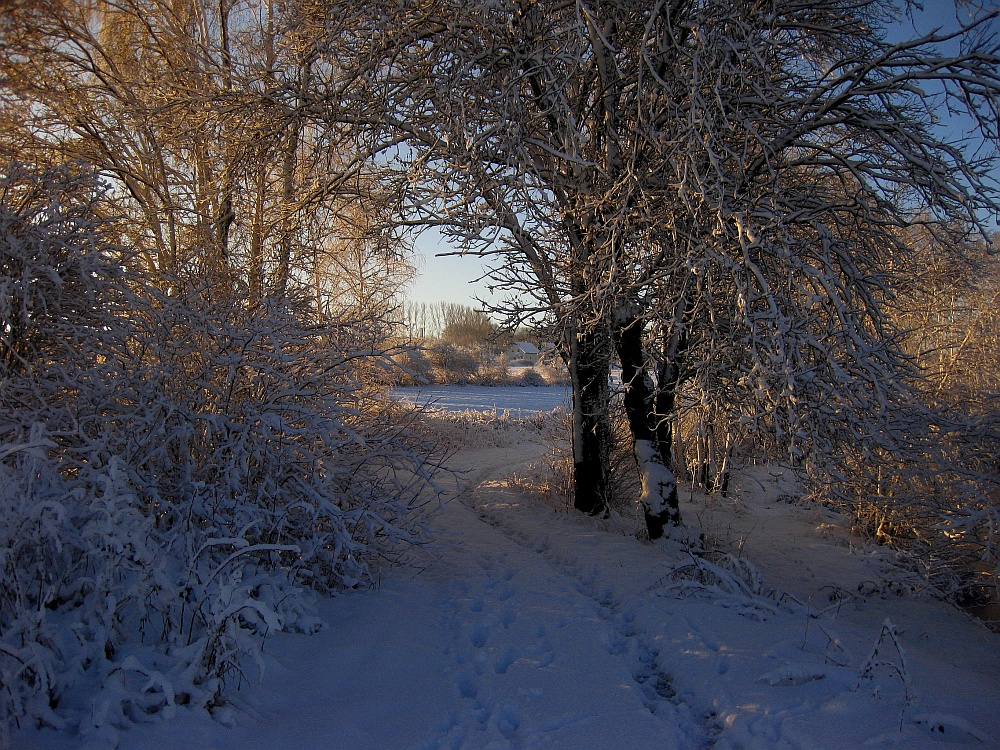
column 669, row 381
column 669, row 378
column 590, row 367
column 659, row 488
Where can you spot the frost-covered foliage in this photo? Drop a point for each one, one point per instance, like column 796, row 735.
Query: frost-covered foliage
column 239, row 417
column 471, row 429
column 553, row 372
column 731, row 581
column 177, row 471
column 444, row 363
column 936, row 507
column 935, row 503
column 412, row 367
column 529, row 376
column 452, row 364
column 51, row 272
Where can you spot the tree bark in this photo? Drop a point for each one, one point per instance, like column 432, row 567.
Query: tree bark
column 590, row 368
column 659, row 487
column 668, row 378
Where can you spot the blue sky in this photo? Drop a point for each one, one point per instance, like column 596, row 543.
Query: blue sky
column 457, row 279
column 446, row 279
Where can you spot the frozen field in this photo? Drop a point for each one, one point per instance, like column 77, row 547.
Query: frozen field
column 517, row 400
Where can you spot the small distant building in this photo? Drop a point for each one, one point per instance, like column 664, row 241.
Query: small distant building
column 522, row 351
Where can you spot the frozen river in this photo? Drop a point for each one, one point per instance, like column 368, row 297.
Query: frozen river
column 518, row 400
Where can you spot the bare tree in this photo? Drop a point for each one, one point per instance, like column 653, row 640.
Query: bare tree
column 732, row 178
column 466, row 326
column 192, row 302
column 194, row 110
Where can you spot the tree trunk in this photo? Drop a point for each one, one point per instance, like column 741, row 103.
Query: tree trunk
column 285, row 239
column 255, row 261
column 668, row 377
column 659, row 487
column 590, row 368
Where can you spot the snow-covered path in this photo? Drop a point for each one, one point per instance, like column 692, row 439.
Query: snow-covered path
column 524, row 627
column 487, row 646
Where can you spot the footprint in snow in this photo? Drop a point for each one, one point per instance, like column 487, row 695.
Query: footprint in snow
column 479, row 634
column 792, row 675
column 614, row 642
column 508, row 720
column 506, row 658
column 949, row 728
column 467, row 686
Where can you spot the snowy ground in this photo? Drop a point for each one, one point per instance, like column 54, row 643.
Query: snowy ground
column 527, row 627
column 517, row 400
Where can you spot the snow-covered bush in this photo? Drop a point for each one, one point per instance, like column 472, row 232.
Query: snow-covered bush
column 445, row 363
column 928, row 492
column 937, row 509
column 54, row 278
column 178, row 470
column 452, row 364
column 936, row 502
column 254, row 422
column 411, row 367
column 530, row 377
column 731, row 581
column 492, row 369
column 553, row 372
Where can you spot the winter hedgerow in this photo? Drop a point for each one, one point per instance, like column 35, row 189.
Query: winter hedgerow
column 178, row 469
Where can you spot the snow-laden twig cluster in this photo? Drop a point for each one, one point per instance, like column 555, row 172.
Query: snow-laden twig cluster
column 177, row 471
column 732, row 581
column 879, row 658
column 471, row 429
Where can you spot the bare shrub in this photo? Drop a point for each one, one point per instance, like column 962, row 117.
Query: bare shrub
column 936, row 502
column 492, row 370
column 452, row 364
column 531, row 377
column 552, row 477
column 470, row 429
column 177, row 470
column 553, row 373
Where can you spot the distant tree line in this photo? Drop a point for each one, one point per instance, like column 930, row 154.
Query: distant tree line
column 460, row 324
column 454, row 343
